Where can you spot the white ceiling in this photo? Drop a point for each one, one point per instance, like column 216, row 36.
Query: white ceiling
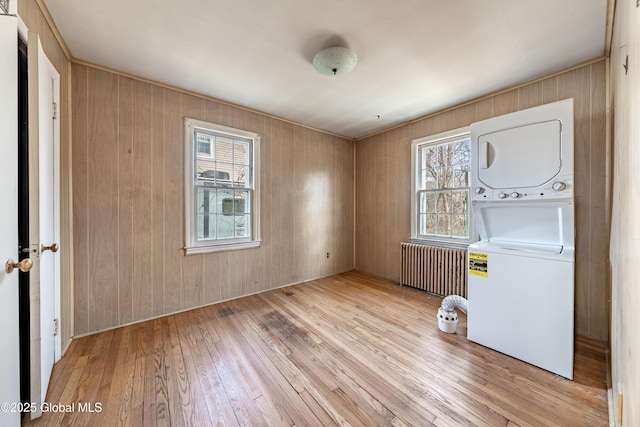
column 414, row 56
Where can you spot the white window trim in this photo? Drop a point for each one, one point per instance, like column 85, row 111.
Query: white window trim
column 192, row 245
column 435, row 241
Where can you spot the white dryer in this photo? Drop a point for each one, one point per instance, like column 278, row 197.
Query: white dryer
column 521, row 272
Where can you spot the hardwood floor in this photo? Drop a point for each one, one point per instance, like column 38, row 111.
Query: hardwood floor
column 350, row 349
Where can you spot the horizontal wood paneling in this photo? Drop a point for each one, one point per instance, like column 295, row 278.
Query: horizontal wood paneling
column 383, row 183
column 128, row 204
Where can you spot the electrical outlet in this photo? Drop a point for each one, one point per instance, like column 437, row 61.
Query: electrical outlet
column 327, row 255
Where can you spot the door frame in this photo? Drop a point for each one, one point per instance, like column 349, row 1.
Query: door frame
column 37, row 59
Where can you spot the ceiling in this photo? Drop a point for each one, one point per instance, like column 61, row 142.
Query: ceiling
column 415, row 57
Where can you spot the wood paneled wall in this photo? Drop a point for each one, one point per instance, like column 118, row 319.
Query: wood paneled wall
column 383, row 181
column 625, row 227
column 127, row 142
column 128, row 203
column 34, row 18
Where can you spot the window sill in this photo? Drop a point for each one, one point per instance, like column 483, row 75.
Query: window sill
column 463, row 244
column 194, row 250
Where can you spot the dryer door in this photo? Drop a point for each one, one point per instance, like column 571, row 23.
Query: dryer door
column 520, row 157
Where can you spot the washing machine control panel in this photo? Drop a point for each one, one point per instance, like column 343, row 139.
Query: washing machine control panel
column 560, row 188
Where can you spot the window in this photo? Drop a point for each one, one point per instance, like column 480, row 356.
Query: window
column 440, row 205
column 204, row 145
column 221, row 188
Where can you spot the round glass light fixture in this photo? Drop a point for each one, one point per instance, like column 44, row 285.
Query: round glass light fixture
column 334, row 61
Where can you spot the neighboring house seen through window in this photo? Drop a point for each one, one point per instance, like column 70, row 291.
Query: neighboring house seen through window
column 441, row 169
column 221, row 175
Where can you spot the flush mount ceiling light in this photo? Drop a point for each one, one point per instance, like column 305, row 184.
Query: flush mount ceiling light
column 334, row 61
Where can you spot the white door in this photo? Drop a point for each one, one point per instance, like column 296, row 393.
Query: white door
column 45, row 207
column 9, row 357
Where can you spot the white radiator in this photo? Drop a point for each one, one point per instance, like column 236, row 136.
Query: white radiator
column 440, row 271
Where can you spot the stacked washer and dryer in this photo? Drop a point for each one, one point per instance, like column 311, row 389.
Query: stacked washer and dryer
column 521, row 272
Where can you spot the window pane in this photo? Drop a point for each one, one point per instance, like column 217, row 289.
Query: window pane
column 445, row 159
column 459, row 225
column 429, row 181
column 227, row 205
column 430, row 202
column 206, row 226
column 444, row 202
column 241, row 202
column 428, row 157
column 224, row 150
column 226, row 226
column 223, row 174
column 430, row 165
column 241, row 225
column 443, row 225
column 445, row 178
column 461, row 152
column 224, row 202
column 206, row 200
column 427, row 224
column 236, row 204
column 459, row 201
column 240, row 175
column 205, row 169
column 240, row 153
column 460, row 179
column 203, row 143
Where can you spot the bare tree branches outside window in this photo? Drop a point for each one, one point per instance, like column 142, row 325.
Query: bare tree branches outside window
column 443, row 188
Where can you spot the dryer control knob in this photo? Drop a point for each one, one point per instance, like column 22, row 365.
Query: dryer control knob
column 478, row 190
column 515, row 195
column 558, row 186
column 502, row 195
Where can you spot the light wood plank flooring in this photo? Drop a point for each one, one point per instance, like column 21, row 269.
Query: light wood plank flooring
column 350, row 349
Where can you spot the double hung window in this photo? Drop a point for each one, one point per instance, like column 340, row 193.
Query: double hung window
column 221, row 191
column 441, row 169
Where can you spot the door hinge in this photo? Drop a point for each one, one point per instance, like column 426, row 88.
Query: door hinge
column 55, row 111
column 56, row 327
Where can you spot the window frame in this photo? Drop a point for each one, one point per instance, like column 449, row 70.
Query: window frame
column 416, row 144
column 192, row 244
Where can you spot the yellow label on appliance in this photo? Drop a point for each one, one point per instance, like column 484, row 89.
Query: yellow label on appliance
column 479, row 264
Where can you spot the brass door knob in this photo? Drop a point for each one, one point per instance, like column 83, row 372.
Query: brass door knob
column 52, row 248
column 24, row 265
